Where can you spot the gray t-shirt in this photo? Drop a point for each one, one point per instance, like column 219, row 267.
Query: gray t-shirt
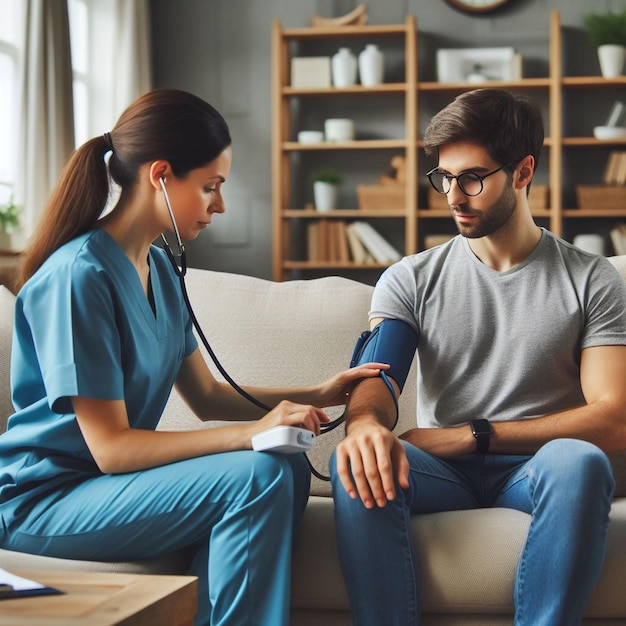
column 502, row 345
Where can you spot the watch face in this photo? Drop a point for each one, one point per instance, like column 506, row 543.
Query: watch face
column 481, row 428
column 477, row 6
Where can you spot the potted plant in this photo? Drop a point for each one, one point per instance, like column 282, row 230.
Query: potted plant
column 9, row 221
column 326, row 189
column 607, row 32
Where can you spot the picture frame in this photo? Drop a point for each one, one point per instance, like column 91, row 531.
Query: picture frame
column 477, row 65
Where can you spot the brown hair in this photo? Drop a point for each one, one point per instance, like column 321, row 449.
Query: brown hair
column 167, row 124
column 508, row 126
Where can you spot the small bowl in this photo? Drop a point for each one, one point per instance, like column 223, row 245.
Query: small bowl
column 310, row 136
column 609, row 132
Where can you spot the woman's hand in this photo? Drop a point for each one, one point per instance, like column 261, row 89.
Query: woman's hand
column 287, row 413
column 336, row 390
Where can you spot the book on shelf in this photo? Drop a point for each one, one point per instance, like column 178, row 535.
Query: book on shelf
column 375, row 243
column 358, row 251
column 615, row 170
column 618, row 238
column 336, row 240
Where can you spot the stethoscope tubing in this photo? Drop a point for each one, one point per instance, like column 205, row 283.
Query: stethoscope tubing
column 179, row 263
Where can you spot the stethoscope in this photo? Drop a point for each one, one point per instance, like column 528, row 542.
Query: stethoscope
column 179, row 263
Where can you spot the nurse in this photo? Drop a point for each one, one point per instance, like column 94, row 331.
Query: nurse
column 101, row 337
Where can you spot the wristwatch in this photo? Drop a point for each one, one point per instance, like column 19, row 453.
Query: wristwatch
column 481, row 429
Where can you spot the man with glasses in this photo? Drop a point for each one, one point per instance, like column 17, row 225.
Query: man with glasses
column 521, row 387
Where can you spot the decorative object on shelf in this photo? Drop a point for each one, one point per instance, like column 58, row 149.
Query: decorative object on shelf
column 618, row 238
column 371, row 66
column 478, row 7
column 389, row 192
column 609, row 132
column 339, row 129
column 344, row 68
column 590, row 242
column 607, row 32
column 477, row 75
column 456, row 65
column 310, row 72
column 326, row 189
column 356, row 17
column 310, row 136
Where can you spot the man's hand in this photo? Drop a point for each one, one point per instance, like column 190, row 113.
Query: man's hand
column 368, row 460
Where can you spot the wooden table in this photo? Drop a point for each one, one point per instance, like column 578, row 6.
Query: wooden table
column 104, row 599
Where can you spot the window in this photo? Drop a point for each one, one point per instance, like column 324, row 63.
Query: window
column 79, row 42
column 10, row 59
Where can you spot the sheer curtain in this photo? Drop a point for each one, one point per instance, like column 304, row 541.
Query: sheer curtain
column 119, row 70
column 46, row 135
column 120, row 66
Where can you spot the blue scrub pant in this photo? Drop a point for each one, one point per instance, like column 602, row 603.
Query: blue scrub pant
column 238, row 511
column 567, row 488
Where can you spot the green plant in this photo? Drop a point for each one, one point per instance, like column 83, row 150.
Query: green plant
column 9, row 218
column 606, row 28
column 328, row 176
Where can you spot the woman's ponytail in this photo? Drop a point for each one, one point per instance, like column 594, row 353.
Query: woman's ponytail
column 73, row 208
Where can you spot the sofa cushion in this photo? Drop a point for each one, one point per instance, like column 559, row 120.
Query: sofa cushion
column 7, row 305
column 468, row 561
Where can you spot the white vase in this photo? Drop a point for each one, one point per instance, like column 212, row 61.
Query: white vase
column 611, row 57
column 344, row 66
column 371, row 66
column 325, row 195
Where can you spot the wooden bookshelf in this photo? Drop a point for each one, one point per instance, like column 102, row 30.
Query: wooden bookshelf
column 415, row 220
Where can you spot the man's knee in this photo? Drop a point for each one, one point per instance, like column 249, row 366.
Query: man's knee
column 578, row 465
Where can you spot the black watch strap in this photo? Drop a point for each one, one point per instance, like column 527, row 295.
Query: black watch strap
column 482, row 431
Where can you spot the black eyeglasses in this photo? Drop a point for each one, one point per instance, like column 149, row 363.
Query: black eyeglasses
column 469, row 183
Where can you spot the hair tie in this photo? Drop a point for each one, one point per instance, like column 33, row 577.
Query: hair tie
column 108, row 141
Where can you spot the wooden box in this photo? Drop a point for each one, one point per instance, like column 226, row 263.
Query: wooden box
column 377, row 197
column 601, row 197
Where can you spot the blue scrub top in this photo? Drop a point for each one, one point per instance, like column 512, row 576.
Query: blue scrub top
column 84, row 327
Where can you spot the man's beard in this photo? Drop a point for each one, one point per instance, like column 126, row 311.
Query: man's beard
column 489, row 221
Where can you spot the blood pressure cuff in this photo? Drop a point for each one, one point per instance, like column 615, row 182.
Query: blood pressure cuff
column 393, row 342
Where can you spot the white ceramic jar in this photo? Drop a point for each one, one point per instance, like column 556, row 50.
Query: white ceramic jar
column 344, row 68
column 371, row 66
column 339, row 129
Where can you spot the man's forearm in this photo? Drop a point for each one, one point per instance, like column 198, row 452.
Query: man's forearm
column 371, row 399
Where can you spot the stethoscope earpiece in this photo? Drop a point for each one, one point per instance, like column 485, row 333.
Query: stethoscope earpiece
column 180, row 266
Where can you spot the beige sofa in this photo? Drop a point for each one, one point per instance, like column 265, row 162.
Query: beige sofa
column 300, row 331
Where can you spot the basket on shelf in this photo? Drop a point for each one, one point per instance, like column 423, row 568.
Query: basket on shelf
column 601, row 197
column 375, row 197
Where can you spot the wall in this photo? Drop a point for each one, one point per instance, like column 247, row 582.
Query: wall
column 220, row 50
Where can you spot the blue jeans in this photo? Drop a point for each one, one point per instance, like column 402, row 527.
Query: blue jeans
column 567, row 488
column 236, row 511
